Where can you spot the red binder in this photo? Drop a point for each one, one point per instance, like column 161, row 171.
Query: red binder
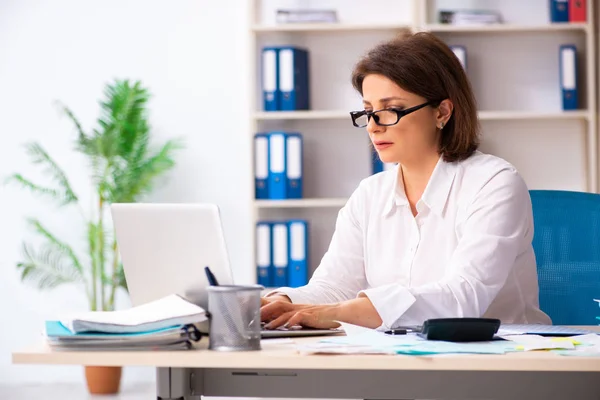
column 577, row 11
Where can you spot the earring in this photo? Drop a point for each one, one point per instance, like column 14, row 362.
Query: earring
column 442, row 125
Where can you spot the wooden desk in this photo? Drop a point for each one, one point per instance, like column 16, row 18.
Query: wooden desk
column 279, row 371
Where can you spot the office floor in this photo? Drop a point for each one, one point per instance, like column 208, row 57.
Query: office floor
column 139, row 391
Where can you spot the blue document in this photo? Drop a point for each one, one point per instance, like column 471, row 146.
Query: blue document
column 280, row 254
column 298, row 245
column 264, row 254
column 294, row 166
column 568, row 76
column 270, row 81
column 294, row 78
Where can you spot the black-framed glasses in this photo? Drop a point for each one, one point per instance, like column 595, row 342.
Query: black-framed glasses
column 384, row 117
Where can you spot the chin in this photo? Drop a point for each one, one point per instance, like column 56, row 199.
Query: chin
column 386, row 158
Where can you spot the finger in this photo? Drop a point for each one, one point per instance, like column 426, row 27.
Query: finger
column 299, row 318
column 263, row 301
column 274, row 309
column 312, row 319
column 281, row 320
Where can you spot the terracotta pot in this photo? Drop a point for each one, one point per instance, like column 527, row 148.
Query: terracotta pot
column 103, row 380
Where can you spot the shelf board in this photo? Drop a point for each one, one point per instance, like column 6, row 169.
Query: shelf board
column 483, row 115
column 524, row 115
column 308, row 114
column 302, row 203
column 342, row 27
column 328, row 27
column 575, row 26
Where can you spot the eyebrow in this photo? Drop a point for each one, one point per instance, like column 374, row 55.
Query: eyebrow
column 386, row 99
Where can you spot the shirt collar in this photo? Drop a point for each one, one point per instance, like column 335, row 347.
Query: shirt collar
column 397, row 196
column 438, row 188
column 436, row 192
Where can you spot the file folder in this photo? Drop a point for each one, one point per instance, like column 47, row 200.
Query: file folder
column 577, row 11
column 263, row 254
column 294, row 165
column 298, row 245
column 277, row 176
column 261, row 166
column 293, row 78
column 559, row 10
column 568, row 76
column 270, row 84
column 461, row 53
column 280, row 254
column 376, row 163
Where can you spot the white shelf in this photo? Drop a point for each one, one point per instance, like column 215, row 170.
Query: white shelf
column 309, row 114
column 483, row 115
column 341, row 27
column 524, row 115
column 302, row 203
column 328, row 27
column 440, row 28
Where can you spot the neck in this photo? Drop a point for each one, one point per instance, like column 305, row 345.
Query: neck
column 416, row 174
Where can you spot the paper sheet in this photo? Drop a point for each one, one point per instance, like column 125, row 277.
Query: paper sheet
column 360, row 340
column 169, row 310
column 537, row 342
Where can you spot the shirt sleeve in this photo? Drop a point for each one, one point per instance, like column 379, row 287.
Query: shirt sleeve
column 497, row 228
column 341, row 273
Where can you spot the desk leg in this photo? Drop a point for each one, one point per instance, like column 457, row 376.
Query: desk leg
column 174, row 384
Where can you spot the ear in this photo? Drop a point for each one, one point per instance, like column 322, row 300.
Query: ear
column 444, row 112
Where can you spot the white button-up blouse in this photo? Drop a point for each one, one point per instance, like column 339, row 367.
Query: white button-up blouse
column 467, row 253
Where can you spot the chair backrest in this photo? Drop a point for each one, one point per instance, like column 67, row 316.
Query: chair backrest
column 567, row 248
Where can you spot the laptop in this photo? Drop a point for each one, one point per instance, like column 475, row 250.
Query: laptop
column 165, row 247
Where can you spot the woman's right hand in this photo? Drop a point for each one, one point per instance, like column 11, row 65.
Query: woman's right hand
column 271, row 299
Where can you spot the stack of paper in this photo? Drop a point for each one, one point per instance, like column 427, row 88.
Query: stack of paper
column 360, row 340
column 167, row 323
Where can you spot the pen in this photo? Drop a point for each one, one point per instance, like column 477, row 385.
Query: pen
column 404, row 330
column 211, row 278
column 396, row 332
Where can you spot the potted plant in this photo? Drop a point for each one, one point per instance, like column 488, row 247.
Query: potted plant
column 123, row 167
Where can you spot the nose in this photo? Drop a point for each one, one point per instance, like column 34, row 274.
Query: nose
column 373, row 128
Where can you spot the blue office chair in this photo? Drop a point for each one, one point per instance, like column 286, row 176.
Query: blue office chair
column 567, row 247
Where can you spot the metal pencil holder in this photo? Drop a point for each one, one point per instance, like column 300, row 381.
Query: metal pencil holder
column 234, row 317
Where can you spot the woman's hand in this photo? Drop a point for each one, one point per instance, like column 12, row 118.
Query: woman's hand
column 282, row 313
column 270, row 299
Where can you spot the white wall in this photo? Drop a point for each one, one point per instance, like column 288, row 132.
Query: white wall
column 191, row 54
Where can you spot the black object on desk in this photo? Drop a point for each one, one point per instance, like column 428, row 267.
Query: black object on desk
column 211, row 277
column 460, row 329
column 403, row 330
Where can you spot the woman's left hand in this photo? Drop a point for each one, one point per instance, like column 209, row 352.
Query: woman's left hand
column 312, row 316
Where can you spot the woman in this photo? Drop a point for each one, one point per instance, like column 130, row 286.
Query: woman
column 447, row 233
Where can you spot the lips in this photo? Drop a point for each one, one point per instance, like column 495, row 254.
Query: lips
column 381, row 142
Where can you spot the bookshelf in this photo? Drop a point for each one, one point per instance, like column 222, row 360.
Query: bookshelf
column 513, row 68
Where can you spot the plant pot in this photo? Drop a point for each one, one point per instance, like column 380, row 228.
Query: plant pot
column 103, row 380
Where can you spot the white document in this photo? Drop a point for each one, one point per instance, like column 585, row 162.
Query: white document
column 168, row 311
column 537, row 342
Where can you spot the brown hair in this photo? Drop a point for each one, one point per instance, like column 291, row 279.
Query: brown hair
column 424, row 65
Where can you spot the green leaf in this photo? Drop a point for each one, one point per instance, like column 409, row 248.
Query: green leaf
column 138, row 178
column 121, row 282
column 82, row 137
column 40, row 156
column 43, row 191
column 47, row 268
column 59, row 245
